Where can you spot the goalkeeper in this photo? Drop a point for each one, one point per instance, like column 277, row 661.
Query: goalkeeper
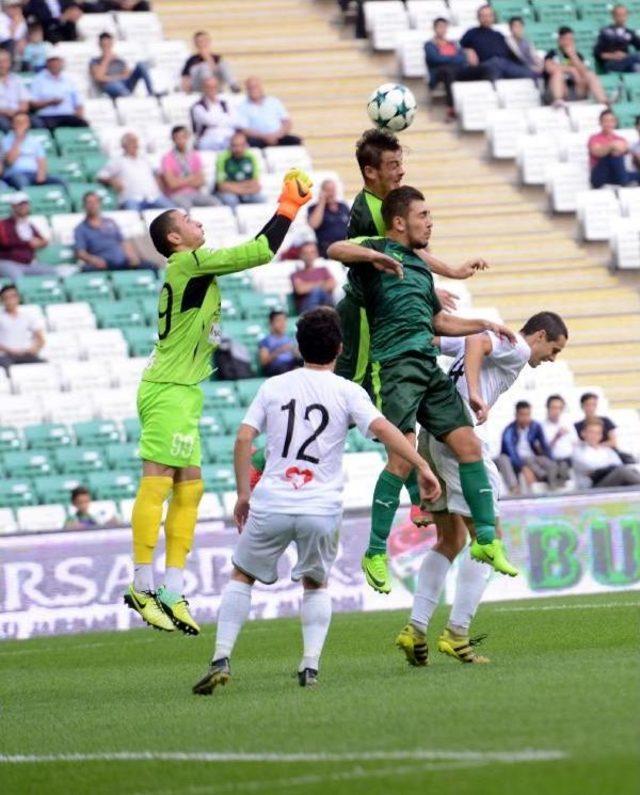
column 170, row 399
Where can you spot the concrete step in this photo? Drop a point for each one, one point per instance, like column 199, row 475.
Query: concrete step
column 605, row 304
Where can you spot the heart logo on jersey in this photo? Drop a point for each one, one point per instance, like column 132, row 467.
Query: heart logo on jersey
column 298, row 477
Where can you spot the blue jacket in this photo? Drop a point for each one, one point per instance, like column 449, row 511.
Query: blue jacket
column 536, row 439
column 434, row 59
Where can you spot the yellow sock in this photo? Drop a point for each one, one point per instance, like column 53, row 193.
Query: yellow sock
column 147, row 515
column 180, row 524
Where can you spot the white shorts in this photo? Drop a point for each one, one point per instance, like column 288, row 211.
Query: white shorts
column 445, row 465
column 266, row 536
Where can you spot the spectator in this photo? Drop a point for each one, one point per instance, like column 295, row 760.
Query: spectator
column 560, row 434
column 54, row 96
column 182, row 173
column 264, row 119
column 14, row 97
column 612, row 47
column 312, row 285
column 487, row 47
column 21, row 333
column 34, row 57
column 214, row 122
column 607, row 155
column 82, row 519
column 57, row 17
column 597, row 465
column 526, row 454
column 278, row 351
column 104, row 6
column 566, row 75
column 447, row 62
column 19, row 241
column 112, row 75
column 100, row 244
column 13, row 27
column 329, row 217
column 23, row 156
column 238, row 174
column 204, row 64
column 132, row 177
column 589, row 406
column 635, row 148
column 522, row 48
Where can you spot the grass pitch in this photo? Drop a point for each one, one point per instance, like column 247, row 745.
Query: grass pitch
column 555, row 712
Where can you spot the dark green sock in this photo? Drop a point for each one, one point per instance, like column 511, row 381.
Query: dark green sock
column 411, row 485
column 479, row 496
column 386, row 498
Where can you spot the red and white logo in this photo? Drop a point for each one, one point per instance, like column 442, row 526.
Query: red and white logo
column 298, row 477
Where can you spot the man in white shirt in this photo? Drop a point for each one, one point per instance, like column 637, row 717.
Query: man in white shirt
column 213, row 119
column 264, row 119
column 21, row 333
column 560, row 433
column 133, row 178
column 597, row 465
column 55, row 97
column 306, row 416
column 14, row 97
column 485, row 366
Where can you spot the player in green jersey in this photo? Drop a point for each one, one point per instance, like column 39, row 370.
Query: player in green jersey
column 379, row 156
column 404, row 314
column 170, row 398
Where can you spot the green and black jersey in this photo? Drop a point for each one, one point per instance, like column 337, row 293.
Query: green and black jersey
column 365, row 220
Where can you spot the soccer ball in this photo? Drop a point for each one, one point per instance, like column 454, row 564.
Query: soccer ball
column 392, row 107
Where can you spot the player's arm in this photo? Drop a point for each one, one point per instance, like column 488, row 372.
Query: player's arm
column 350, row 252
column 476, row 347
column 464, row 271
column 242, row 465
column 453, row 326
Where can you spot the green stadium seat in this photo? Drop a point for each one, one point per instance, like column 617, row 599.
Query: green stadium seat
column 78, row 189
column 353, row 442
column 219, row 449
column 124, row 457
column 247, row 389
column 149, row 307
column 112, row 485
column 231, row 418
column 9, row 439
column 256, row 306
column 76, row 140
column 626, row 113
column 248, row 332
column 93, row 162
column 132, row 429
column 211, row 424
column 48, row 199
column 27, row 463
column 230, row 307
column 55, row 488
column 70, row 169
column 505, row 9
column 218, row 395
column 218, row 478
column 140, row 339
column 632, row 88
column 57, row 254
column 41, row 290
column 16, row 492
column 614, row 86
column 118, row 314
column 97, row 432
column 542, row 35
column 136, row 284
column 80, row 460
column 596, row 11
column 555, row 13
column 88, row 286
column 48, row 436
column 44, row 136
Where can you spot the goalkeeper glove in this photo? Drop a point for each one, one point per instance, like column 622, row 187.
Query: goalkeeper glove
column 296, row 191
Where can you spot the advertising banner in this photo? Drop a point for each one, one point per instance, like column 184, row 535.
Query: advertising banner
column 65, row 582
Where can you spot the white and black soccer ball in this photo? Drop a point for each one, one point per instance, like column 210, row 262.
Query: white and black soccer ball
column 392, row 107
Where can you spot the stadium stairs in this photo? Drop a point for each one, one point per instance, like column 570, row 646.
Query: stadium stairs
column 324, row 77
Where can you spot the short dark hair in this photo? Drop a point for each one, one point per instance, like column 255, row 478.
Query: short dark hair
column 516, row 19
column 199, row 33
column 178, row 128
column 397, row 202
column 79, row 491
column 86, row 195
column 34, row 25
column 371, row 145
column 6, row 287
column 274, row 313
column 551, row 398
column 522, row 404
column 159, row 229
column 564, row 29
column 606, row 112
column 587, row 396
column 319, row 335
column 105, row 35
column 550, row 322
column 440, row 19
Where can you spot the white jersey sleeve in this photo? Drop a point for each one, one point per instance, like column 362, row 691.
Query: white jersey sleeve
column 452, row 346
column 362, row 412
column 256, row 415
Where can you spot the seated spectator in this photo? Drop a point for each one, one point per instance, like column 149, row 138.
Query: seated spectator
column 589, row 405
column 488, row 47
column 522, row 48
column 19, row 241
column 111, row 73
column 100, row 244
column 447, row 62
column 213, row 120
column 597, row 465
column 13, row 27
column 264, row 119
column 34, row 55
column 82, row 519
column 329, row 217
column 607, row 155
column 525, row 453
column 182, row 173
column 132, row 177
column 566, row 75
column 14, row 97
column 635, row 148
column 612, row 47
column 23, row 156
column 21, row 332
column 238, row 174
column 278, row 351
column 57, row 17
column 54, row 96
column 560, row 434
column 204, row 64
column 312, row 285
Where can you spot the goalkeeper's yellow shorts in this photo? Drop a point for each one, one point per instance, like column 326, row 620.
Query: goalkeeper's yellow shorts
column 169, row 418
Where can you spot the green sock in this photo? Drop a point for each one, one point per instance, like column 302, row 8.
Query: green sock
column 386, row 498
column 479, row 496
column 411, row 485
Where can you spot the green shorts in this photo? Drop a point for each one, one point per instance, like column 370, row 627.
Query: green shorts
column 413, row 387
column 353, row 362
column 169, row 419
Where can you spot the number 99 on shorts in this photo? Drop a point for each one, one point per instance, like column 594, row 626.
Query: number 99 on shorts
column 182, row 445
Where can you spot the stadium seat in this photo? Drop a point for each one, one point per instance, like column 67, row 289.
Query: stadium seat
column 129, row 222
column 216, row 221
column 126, row 372
column 247, row 389
column 118, row 314
column 473, row 101
column 5, row 384
column 77, row 191
column 563, row 186
column 139, row 111
column 45, row 139
column 231, row 418
column 16, row 492
column 47, row 436
column 140, row 340
column 40, row 290
column 88, row 286
column 124, row 457
column 218, row 395
column 48, row 199
column 421, row 13
column 504, row 127
column 534, row 155
column 113, row 485
column 79, row 376
column 90, row 26
column 9, row 439
column 31, row 378
column 76, row 315
column 8, row 522
column 63, row 225
column 67, row 407
column 211, row 424
column 219, row 449
column 97, row 432
column 410, row 53
column 116, row 404
column 218, row 478
column 252, row 217
column 76, row 140
column 256, row 306
column 61, row 345
column 41, row 517
column 625, row 243
column 17, row 411
column 629, row 199
column 143, row 26
column 505, row 9
column 585, row 116
column 100, row 112
column 57, row 254
column 55, row 488
column 547, row 120
column 27, row 463
column 135, row 284
column 626, row 113
column 280, row 159
column 71, row 169
column 93, row 162
column 101, row 343
column 79, row 460
column 596, row 211
column 131, row 427
column 176, row 107
column 517, row 93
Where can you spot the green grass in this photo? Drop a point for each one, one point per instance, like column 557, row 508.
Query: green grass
column 562, row 679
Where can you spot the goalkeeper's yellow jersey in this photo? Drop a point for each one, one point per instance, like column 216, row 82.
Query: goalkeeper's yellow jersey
column 189, row 310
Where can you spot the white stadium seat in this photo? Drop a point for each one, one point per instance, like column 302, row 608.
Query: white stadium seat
column 67, row 317
column 104, row 510
column 275, row 277
column 29, row 378
column 126, row 372
column 35, row 310
column 8, row 522
column 169, row 55
column 629, row 199
column 410, row 53
column 216, row 221
column 572, row 148
column 564, row 184
column 41, row 517
column 388, row 22
column 78, row 376
column 252, row 217
column 21, row 410
column 60, row 345
column 68, row 407
column 139, row 111
column 423, row 12
column 143, row 26
column 585, row 116
column 129, row 222
column 62, row 227
column 5, row 384
column 546, row 119
column 504, row 127
column 517, row 93
column 534, row 153
column 177, row 107
column 473, row 101
column 90, row 26
column 280, row 159
column 625, row 243
column 101, row 343
column 100, row 112
column 41, row 223
column 116, row 404
column 596, row 211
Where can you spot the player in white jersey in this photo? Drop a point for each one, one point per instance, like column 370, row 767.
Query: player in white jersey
column 306, row 415
column 484, row 368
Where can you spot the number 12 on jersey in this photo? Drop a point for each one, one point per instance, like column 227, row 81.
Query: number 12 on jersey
column 290, row 408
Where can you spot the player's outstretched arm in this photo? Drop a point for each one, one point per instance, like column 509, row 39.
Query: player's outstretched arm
column 452, row 326
column 397, row 442
column 464, row 271
column 242, row 466
column 476, row 347
column 349, row 252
